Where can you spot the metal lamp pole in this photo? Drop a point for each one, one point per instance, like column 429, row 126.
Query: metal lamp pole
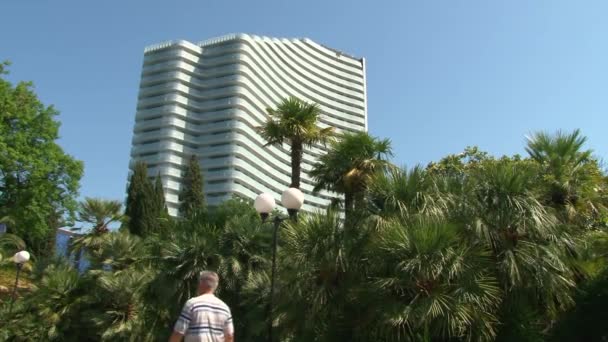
column 277, row 223
column 292, row 199
column 19, row 258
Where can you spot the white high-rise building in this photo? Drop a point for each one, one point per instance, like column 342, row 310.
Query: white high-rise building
column 207, row 99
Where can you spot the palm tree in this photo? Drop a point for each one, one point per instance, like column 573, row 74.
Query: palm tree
column 191, row 247
column 573, row 181
column 101, row 213
column 506, row 207
column 527, row 242
column 320, row 270
column 118, row 308
column 243, row 246
column 571, row 173
column 235, row 247
column 408, row 194
column 294, row 121
column 432, row 284
column 350, row 165
column 592, row 253
column 118, row 251
column 244, row 249
column 497, row 203
column 53, row 311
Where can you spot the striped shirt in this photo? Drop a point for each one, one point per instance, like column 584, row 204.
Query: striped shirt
column 205, row 319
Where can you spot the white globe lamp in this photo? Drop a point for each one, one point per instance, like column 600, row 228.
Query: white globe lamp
column 264, row 204
column 21, row 257
column 292, row 199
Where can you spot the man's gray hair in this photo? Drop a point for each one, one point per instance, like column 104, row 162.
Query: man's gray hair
column 210, row 279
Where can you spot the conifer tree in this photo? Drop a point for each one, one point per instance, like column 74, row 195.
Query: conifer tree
column 192, row 198
column 141, row 207
column 160, row 195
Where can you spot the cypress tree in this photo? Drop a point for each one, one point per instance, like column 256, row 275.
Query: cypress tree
column 141, row 207
column 159, row 194
column 192, row 198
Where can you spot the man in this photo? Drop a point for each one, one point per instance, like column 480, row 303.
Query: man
column 204, row 318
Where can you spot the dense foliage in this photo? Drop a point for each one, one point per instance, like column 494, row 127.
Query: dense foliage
column 469, row 248
column 38, row 181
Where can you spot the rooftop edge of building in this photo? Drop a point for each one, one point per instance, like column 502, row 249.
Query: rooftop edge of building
column 242, row 36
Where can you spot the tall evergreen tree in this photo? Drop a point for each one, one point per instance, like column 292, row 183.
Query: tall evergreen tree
column 160, row 195
column 191, row 196
column 141, row 208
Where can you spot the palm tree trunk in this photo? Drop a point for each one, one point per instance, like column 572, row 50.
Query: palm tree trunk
column 359, row 201
column 348, row 205
column 296, row 164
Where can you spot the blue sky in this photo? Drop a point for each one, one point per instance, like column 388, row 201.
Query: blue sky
column 441, row 74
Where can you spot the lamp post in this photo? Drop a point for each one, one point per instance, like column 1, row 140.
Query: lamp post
column 292, row 199
column 19, row 259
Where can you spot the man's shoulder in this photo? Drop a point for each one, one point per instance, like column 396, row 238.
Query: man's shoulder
column 218, row 302
column 208, row 299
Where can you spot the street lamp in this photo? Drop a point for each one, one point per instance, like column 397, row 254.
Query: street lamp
column 19, row 259
column 264, row 205
column 292, row 199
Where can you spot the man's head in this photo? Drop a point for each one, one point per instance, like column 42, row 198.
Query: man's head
column 207, row 282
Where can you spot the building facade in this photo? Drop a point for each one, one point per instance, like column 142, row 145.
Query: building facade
column 207, row 99
column 63, row 247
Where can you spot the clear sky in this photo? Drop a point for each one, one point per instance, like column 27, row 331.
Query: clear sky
column 441, row 74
